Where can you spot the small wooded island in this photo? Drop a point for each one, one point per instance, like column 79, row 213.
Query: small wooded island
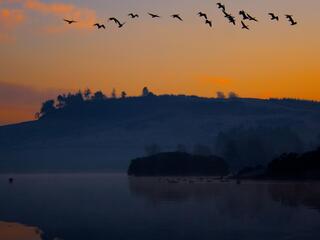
column 178, row 164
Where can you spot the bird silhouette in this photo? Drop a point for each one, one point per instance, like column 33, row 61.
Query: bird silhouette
column 69, row 21
column 115, row 20
column 154, row 15
column 221, row 6
column 120, row 25
column 132, row 15
column 99, row 26
column 274, row 17
column 227, row 15
column 251, row 18
column 201, row 14
column 208, row 22
column 177, row 16
column 231, row 18
column 291, row 20
column 243, row 14
column 244, row 26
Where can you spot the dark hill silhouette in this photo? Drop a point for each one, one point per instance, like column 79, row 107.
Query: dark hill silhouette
column 90, row 132
column 178, row 164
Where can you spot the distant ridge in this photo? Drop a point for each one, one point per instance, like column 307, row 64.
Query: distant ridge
column 103, row 134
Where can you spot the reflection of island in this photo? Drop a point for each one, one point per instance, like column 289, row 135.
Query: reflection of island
column 15, row 231
column 226, row 199
column 178, row 164
column 174, row 189
column 298, row 194
column 247, row 196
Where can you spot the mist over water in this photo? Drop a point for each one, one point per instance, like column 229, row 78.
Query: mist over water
column 114, row 206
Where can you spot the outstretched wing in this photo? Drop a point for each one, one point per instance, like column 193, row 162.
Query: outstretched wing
column 177, row 16
column 68, row 21
column 153, row 15
column 244, row 25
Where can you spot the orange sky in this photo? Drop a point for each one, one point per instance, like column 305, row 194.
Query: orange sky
column 39, row 51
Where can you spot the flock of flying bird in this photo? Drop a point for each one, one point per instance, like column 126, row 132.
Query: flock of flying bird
column 232, row 19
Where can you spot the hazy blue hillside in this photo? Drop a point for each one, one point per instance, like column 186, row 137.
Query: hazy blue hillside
column 103, row 135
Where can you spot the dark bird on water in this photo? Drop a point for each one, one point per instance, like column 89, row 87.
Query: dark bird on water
column 177, row 16
column 69, row 21
column 115, row 20
column 201, row 14
column 133, row 15
column 221, row 6
column 274, row 17
column 10, row 180
column 244, row 26
column 154, row 15
column 251, row 18
column 243, row 14
column 100, row 26
column 208, row 22
column 291, row 20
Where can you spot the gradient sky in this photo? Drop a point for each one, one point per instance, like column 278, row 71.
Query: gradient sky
column 41, row 56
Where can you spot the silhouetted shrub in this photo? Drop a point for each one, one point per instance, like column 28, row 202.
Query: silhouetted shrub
column 98, row 96
column 233, row 95
column 220, row 95
column 47, row 107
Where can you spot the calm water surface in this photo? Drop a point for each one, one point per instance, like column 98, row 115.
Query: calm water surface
column 111, row 206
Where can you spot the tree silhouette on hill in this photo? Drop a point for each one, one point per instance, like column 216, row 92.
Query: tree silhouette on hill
column 74, row 102
column 98, row 96
column 79, row 98
column 46, row 108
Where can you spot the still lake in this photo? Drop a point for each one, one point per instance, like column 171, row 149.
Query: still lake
column 115, row 207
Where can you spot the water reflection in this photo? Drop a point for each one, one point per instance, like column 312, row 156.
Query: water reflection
column 292, row 194
column 168, row 189
column 102, row 206
column 297, row 194
column 229, row 198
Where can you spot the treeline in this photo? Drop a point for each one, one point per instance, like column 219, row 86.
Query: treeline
column 80, row 97
column 75, row 99
column 258, row 145
column 249, row 146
